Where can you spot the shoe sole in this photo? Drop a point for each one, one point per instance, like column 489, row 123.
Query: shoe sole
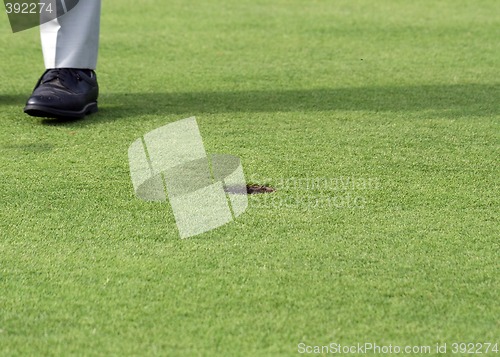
column 47, row 112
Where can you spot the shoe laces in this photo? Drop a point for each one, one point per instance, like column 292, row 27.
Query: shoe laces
column 61, row 74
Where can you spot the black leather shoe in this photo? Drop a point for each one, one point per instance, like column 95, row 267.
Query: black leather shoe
column 64, row 93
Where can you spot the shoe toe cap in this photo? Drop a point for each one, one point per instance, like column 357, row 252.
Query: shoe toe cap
column 49, row 100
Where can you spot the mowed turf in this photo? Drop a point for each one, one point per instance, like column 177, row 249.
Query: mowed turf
column 377, row 122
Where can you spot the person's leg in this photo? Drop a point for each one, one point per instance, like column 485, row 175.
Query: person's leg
column 70, row 44
column 72, row 40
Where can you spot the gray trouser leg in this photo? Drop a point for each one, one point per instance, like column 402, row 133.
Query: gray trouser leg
column 72, row 40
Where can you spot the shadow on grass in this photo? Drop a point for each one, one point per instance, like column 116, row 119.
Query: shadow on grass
column 450, row 101
column 13, row 99
column 447, row 101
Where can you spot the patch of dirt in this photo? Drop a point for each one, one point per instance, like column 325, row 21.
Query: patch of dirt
column 256, row 189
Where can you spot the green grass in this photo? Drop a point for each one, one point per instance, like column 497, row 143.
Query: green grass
column 405, row 94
